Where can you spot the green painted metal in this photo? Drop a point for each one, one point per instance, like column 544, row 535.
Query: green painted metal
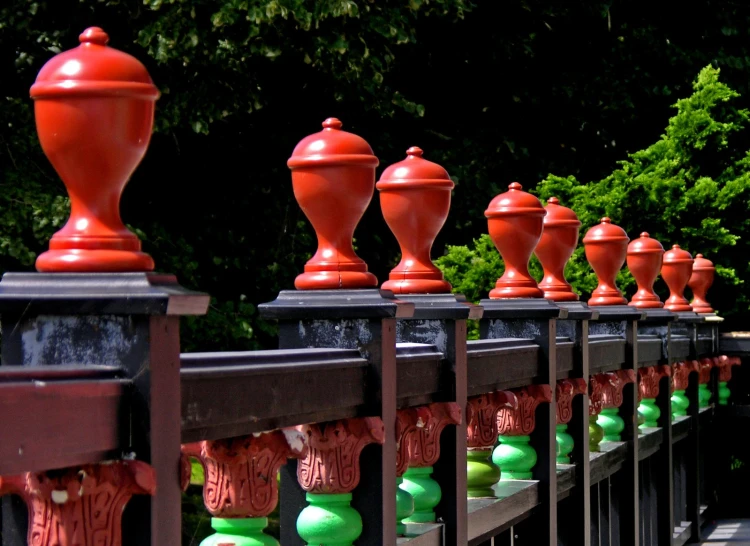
column 481, row 473
column 329, row 520
column 515, row 457
column 404, row 507
column 564, row 444
column 612, row 424
column 724, row 393
column 650, row 412
column 425, row 491
column 596, row 434
column 704, row 395
column 239, row 532
column 680, row 403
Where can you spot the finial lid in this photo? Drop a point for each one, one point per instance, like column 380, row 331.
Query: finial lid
column 94, row 69
column 515, row 202
column 414, row 171
column 702, row 264
column 558, row 215
column 332, row 146
column 677, row 255
column 645, row 245
column 604, row 232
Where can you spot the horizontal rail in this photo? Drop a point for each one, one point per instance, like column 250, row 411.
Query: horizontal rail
column 500, row 364
column 79, row 414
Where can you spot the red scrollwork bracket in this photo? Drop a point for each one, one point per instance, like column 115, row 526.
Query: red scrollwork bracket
column 522, row 420
column 649, row 378
column 481, row 417
column 612, row 388
column 565, row 391
column 681, row 373
column 424, row 442
column 725, row 364
column 80, row 506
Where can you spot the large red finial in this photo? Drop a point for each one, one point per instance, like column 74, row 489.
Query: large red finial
column 700, row 281
column 415, row 196
column 333, row 176
column 515, row 225
column 606, row 246
column 676, row 270
column 559, row 240
column 94, row 109
column 644, row 261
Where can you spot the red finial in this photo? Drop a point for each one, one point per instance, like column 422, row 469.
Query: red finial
column 515, row 224
column 333, row 176
column 676, row 270
column 556, row 246
column 644, row 261
column 94, row 35
column 94, row 109
column 606, row 246
column 700, row 281
column 415, row 196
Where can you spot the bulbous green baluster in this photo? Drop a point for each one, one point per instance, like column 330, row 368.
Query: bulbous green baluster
column 641, row 419
column 680, row 403
column 704, row 395
column 612, row 424
column 329, row 520
column 564, row 444
column 724, row 393
column 515, row 457
column 481, row 473
column 650, row 412
column 425, row 491
column 596, row 434
column 239, row 532
column 404, row 507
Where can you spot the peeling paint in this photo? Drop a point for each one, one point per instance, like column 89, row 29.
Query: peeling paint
column 59, row 497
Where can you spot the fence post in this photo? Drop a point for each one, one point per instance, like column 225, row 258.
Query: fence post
column 95, row 299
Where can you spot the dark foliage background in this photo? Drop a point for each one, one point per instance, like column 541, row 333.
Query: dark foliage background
column 494, row 91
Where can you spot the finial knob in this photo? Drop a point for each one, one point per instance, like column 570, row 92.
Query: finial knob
column 515, row 225
column 333, row 177
column 644, row 261
column 676, row 269
column 415, row 196
column 93, row 35
column 606, row 246
column 556, row 246
column 94, row 110
column 700, row 281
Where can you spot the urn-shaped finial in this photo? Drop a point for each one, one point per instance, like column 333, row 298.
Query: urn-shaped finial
column 676, row 269
column 644, row 261
column 700, row 281
column 515, row 225
column 415, row 196
column 94, row 110
column 556, row 246
column 606, row 246
column 333, row 176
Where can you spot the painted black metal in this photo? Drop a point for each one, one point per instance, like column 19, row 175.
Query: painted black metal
column 440, row 306
column 522, row 308
column 335, row 304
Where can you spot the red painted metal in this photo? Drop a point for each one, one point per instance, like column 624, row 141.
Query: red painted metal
column 612, row 385
column 644, row 261
column 94, row 109
column 676, row 270
column 649, row 378
column 333, row 176
column 424, row 442
column 515, row 220
column 481, row 417
column 559, row 240
column 700, row 281
column 681, row 373
column 606, row 246
column 565, row 391
column 415, row 197
column 521, row 421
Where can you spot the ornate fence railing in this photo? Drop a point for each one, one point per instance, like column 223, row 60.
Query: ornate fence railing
column 566, row 423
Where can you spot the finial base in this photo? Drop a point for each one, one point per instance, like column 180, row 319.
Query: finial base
column 702, row 309
column 513, row 289
column 646, row 303
column 335, row 280
column 677, row 304
column 417, row 286
column 94, row 261
column 559, row 293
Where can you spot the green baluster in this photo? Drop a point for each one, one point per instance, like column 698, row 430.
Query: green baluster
column 404, row 506
column 704, row 395
column 481, row 473
column 329, row 520
column 596, row 434
column 612, row 424
column 724, row 393
column 515, row 457
column 564, row 444
column 680, row 403
column 650, row 412
column 239, row 532
column 641, row 419
column 425, row 491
